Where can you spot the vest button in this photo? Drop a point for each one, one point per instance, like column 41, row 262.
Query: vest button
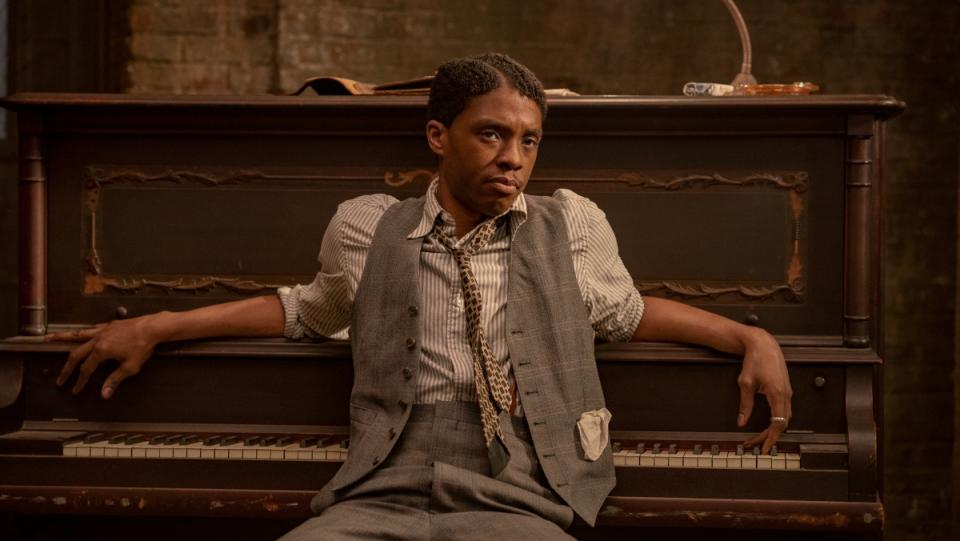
column 407, row 373
column 411, row 344
column 413, row 310
column 376, row 460
column 402, row 403
column 392, row 433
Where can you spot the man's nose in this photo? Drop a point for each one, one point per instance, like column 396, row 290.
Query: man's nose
column 510, row 157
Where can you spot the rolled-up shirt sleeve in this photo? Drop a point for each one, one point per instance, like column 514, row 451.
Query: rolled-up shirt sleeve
column 324, row 307
column 612, row 300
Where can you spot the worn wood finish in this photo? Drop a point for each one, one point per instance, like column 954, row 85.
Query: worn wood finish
column 743, row 173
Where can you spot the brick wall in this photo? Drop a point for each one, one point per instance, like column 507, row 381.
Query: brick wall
column 906, row 49
column 210, row 47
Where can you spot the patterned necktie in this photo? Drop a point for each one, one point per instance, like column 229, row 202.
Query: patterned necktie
column 493, row 393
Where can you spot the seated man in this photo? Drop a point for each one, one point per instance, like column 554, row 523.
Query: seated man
column 477, row 411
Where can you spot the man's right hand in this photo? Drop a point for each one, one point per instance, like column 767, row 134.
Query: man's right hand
column 130, row 342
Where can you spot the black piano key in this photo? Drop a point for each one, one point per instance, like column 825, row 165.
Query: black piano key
column 250, row 441
column 672, row 449
column 773, row 450
column 96, row 437
column 134, row 439
column 756, row 450
column 212, row 440
column 283, row 440
column 698, row 449
column 641, row 448
column 266, row 441
column 189, row 439
column 714, row 449
column 345, row 443
column 616, row 446
column 173, row 439
column 740, row 450
column 229, row 440
column 308, row 442
column 656, row 448
column 158, row 439
column 118, row 438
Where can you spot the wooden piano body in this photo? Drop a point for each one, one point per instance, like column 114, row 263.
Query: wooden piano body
column 766, row 210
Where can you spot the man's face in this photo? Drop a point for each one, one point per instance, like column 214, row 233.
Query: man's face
column 486, row 154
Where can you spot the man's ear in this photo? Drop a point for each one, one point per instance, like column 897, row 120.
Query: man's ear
column 436, row 137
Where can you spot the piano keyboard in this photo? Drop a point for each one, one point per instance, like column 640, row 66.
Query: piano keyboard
column 336, row 448
column 713, row 456
column 216, row 447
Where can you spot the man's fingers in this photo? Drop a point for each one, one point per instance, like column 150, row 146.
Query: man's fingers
column 86, row 370
column 113, row 380
column 78, row 335
column 773, row 434
column 746, row 401
column 779, row 419
column 78, row 354
column 756, row 438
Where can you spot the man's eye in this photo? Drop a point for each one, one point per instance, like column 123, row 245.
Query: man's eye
column 531, row 142
column 490, row 134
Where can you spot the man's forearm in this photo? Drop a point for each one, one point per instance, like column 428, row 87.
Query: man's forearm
column 259, row 316
column 670, row 321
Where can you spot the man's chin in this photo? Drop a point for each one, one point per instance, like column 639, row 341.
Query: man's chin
column 500, row 205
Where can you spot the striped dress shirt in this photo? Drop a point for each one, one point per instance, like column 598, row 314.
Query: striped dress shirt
column 324, row 307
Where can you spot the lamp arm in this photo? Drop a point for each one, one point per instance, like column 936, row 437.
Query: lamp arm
column 744, row 77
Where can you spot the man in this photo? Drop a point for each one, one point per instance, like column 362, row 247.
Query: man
column 476, row 410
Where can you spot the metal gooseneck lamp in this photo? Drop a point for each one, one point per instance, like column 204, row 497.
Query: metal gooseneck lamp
column 743, row 78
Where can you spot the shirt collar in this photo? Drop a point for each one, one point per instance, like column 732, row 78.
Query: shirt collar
column 432, row 209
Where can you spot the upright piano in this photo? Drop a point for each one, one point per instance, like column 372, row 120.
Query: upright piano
column 768, row 210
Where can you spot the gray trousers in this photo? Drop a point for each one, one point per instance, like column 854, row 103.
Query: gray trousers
column 436, row 485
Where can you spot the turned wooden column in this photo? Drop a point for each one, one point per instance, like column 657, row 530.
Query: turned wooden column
column 33, row 227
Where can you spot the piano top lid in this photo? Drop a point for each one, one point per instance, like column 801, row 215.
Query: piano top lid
column 875, row 104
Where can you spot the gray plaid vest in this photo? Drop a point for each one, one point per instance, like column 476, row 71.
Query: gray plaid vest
column 550, row 340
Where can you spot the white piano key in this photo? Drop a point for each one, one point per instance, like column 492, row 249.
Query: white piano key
column 194, row 450
column 138, row 450
column 234, row 451
column 778, row 461
column 70, row 448
column 749, row 462
column 661, row 460
column 227, row 452
column 333, row 452
column 764, row 462
column 116, row 450
column 734, row 461
column 646, row 459
column 631, row 458
column 675, row 460
column 793, row 461
column 691, row 460
column 719, row 460
column 280, row 453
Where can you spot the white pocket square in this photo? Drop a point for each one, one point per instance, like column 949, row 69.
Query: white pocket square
column 594, row 432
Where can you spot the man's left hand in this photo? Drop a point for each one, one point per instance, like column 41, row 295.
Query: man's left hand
column 765, row 371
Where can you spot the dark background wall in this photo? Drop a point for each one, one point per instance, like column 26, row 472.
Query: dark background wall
column 905, row 49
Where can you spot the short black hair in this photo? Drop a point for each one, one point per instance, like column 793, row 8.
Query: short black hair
column 460, row 79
